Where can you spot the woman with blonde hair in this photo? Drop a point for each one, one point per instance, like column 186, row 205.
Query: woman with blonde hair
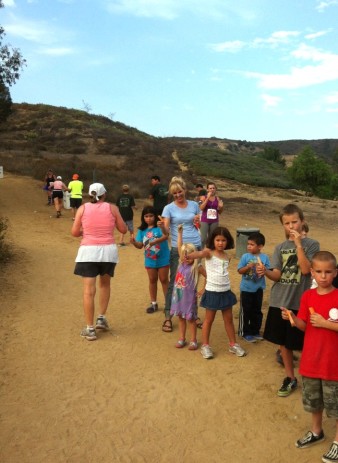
column 179, row 211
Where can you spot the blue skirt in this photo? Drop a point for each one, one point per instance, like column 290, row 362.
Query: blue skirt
column 213, row 300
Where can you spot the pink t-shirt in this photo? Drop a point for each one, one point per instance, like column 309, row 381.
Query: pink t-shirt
column 319, row 356
column 98, row 223
column 58, row 185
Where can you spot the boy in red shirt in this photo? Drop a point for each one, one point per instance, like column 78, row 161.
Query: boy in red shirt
column 318, row 318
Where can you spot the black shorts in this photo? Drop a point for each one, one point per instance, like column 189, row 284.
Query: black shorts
column 75, row 202
column 92, row 269
column 58, row 194
column 280, row 331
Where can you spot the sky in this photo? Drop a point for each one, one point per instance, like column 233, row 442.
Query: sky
column 255, row 70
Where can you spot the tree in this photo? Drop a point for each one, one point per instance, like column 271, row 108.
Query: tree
column 273, row 154
column 5, row 103
column 309, row 172
column 11, row 63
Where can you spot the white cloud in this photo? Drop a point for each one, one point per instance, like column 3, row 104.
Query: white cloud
column 275, row 39
column 61, row 51
column 315, row 35
column 9, row 3
column 323, row 5
column 270, row 101
column 325, row 69
column 171, row 9
column 231, row 47
column 332, row 98
column 40, row 32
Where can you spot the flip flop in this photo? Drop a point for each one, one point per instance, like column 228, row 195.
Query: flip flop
column 167, row 326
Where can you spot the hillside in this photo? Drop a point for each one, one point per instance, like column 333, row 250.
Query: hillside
column 38, row 137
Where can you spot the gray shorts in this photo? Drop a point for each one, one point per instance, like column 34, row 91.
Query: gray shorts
column 130, row 225
column 319, row 395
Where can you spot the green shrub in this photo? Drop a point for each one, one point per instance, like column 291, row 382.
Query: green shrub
column 5, row 250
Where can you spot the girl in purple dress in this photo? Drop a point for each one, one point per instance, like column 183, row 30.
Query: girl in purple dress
column 184, row 298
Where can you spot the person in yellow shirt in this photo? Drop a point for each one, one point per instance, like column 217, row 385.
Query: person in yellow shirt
column 75, row 188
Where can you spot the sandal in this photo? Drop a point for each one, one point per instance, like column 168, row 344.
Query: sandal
column 167, row 326
column 199, row 323
column 180, row 343
column 192, row 345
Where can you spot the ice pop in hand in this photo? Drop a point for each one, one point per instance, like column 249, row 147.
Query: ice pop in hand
column 311, row 310
column 289, row 316
column 259, row 260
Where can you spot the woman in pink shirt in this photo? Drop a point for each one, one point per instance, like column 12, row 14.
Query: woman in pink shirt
column 97, row 255
column 58, row 188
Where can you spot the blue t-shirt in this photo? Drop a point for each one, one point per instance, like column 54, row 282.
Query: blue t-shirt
column 154, row 256
column 185, row 216
column 250, row 280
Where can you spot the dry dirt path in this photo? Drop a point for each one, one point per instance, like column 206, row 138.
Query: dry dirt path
column 130, row 396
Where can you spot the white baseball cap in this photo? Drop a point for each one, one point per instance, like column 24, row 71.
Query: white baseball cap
column 98, row 189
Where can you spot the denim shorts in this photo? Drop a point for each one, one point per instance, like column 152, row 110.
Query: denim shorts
column 319, row 394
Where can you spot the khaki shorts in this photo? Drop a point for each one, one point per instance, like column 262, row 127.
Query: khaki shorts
column 319, row 395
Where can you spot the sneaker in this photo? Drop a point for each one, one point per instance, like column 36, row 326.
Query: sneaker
column 152, row 308
column 206, row 352
column 287, row 387
column 238, row 350
column 193, row 345
column 332, row 454
column 258, row 337
column 90, row 335
column 249, row 338
column 309, row 439
column 101, row 324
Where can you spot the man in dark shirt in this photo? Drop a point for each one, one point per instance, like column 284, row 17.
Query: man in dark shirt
column 159, row 193
column 126, row 204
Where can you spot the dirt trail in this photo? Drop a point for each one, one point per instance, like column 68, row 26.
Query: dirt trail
column 131, row 396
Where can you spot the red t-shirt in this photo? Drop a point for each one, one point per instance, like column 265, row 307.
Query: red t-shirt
column 320, row 352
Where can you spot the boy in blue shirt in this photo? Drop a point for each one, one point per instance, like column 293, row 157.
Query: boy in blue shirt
column 252, row 286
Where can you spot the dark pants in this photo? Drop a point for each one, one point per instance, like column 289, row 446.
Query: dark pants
column 250, row 313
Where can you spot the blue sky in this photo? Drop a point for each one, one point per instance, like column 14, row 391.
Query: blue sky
column 254, row 70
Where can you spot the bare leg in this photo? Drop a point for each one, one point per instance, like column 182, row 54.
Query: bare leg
column 317, row 418
column 163, row 274
column 207, row 324
column 287, row 356
column 153, row 277
column 193, row 330
column 229, row 325
column 104, row 296
column 182, row 327
column 89, row 290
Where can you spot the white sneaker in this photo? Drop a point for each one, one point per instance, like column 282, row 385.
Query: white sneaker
column 206, row 352
column 237, row 349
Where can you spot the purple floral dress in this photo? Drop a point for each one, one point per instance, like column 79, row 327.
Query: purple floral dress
column 184, row 299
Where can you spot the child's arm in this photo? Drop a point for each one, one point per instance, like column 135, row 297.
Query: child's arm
column 200, row 254
column 246, row 268
column 273, row 274
column 318, row 321
column 137, row 244
column 287, row 314
column 201, row 271
column 179, row 239
column 162, row 238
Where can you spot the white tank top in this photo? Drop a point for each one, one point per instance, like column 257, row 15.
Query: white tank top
column 217, row 274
